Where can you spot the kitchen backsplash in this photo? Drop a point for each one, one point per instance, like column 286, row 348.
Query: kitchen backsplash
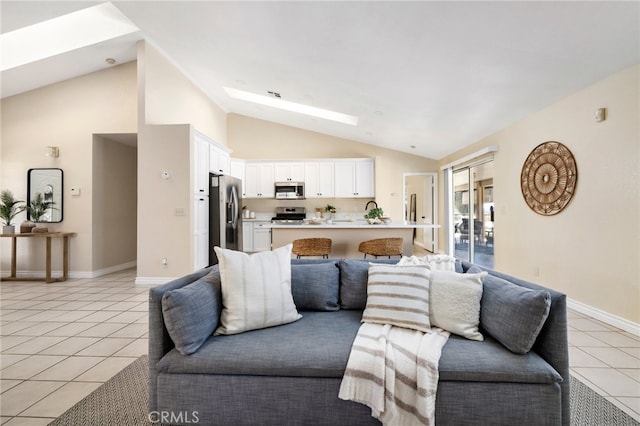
column 353, row 207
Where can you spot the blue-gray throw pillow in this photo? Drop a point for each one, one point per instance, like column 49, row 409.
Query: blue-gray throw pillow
column 512, row 314
column 354, row 275
column 191, row 312
column 316, row 287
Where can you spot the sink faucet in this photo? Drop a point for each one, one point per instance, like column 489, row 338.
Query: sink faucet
column 367, row 206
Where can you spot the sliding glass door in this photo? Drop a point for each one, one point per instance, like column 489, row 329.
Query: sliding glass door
column 472, row 213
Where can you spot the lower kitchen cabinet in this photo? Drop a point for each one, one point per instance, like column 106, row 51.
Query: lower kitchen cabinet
column 256, row 236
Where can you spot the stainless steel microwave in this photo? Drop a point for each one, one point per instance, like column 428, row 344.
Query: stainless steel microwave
column 289, row 191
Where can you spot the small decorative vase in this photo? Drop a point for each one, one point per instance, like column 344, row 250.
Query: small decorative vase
column 26, row 227
column 8, row 229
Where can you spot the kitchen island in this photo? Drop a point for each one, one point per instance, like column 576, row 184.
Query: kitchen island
column 346, row 235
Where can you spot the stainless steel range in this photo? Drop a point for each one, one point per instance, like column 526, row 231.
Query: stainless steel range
column 289, row 215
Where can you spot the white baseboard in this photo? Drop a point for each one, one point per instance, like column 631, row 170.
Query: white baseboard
column 152, row 281
column 74, row 274
column 605, row 317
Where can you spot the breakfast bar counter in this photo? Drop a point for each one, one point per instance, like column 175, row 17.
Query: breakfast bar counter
column 346, row 236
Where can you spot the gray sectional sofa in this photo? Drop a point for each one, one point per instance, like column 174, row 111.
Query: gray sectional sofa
column 290, row 374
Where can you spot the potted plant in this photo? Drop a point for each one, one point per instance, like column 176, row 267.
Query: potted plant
column 330, row 210
column 374, row 215
column 37, row 208
column 9, row 208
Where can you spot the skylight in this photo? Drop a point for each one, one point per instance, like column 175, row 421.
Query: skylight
column 63, row 34
column 292, row 106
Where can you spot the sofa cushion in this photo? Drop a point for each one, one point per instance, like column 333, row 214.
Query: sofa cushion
column 354, row 275
column 189, row 312
column 454, row 302
column 318, row 345
column 489, row 361
column 398, row 295
column 513, row 315
column 316, row 287
column 256, row 290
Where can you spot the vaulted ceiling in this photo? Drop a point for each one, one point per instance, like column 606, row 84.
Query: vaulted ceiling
column 426, row 78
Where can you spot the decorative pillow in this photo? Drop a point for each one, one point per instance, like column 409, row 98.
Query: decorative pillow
column 454, row 302
column 398, row 295
column 256, row 290
column 512, row 314
column 189, row 312
column 353, row 282
column 441, row 262
column 316, row 287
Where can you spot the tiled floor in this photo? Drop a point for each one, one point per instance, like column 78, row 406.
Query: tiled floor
column 61, row 341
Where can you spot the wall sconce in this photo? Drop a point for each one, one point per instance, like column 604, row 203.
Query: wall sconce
column 52, row 151
column 600, row 114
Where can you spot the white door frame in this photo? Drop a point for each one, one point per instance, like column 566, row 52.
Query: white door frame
column 405, row 206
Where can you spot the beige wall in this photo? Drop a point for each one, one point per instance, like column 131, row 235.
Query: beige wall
column 162, row 234
column 66, row 115
column 171, row 98
column 115, row 193
column 170, row 107
column 591, row 249
column 250, row 138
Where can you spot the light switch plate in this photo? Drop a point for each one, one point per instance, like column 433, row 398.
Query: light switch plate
column 75, row 191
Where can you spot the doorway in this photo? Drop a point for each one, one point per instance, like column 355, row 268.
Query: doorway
column 420, row 206
column 473, row 213
column 114, row 195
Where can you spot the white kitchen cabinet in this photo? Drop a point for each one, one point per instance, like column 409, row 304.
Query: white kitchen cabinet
column 285, row 171
column 354, row 178
column 259, row 180
column 261, row 236
column 219, row 161
column 200, row 165
column 319, row 179
column 200, row 231
column 247, row 237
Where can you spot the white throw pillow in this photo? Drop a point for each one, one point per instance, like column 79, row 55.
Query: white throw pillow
column 436, row 262
column 454, row 303
column 256, row 290
column 398, row 295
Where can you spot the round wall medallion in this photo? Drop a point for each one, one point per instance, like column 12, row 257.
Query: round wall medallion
column 549, row 177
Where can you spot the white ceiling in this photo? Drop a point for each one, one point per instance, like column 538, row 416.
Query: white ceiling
column 437, row 75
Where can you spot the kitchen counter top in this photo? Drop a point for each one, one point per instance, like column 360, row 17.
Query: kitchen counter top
column 354, row 224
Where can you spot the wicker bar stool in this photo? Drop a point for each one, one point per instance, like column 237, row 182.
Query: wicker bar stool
column 312, row 247
column 381, row 247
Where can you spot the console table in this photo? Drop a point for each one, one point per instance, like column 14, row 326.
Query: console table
column 48, row 236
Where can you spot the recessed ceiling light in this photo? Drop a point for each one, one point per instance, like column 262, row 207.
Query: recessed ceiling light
column 412, row 147
column 63, row 34
column 292, row 106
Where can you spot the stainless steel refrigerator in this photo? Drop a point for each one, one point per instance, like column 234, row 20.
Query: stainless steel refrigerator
column 225, row 227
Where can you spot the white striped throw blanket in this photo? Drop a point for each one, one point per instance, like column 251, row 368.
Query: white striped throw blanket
column 394, row 371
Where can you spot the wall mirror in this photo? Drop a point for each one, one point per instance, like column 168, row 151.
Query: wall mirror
column 46, row 184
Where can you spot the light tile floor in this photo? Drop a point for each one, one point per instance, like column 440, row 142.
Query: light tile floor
column 61, row 341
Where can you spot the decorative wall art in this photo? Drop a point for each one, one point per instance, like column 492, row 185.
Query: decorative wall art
column 549, row 177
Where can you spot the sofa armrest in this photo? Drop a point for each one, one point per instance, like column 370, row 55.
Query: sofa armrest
column 159, row 340
column 552, row 342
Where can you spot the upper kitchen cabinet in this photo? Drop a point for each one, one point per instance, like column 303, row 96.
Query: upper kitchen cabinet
column 200, row 160
column 259, row 179
column 354, row 178
column 289, row 171
column 219, row 160
column 319, row 179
